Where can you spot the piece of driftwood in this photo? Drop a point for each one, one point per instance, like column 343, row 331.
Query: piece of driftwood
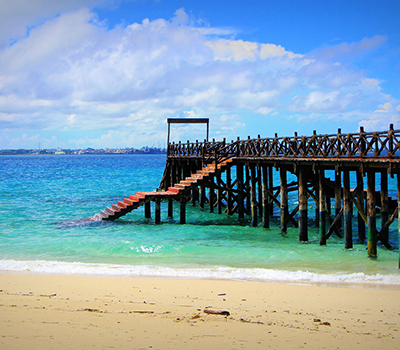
column 217, row 312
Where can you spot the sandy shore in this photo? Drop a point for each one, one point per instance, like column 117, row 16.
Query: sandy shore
column 53, row 312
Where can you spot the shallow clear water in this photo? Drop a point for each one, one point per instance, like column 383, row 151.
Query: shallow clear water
column 42, row 196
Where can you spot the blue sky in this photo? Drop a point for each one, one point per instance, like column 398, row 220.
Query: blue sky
column 108, row 73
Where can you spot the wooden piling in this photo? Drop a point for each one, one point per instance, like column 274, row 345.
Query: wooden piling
column 259, row 191
column 239, row 174
column 371, row 215
column 219, row 193
column 361, row 200
column 183, row 211
column 338, row 196
column 284, row 200
column 265, row 170
column 170, row 208
column 322, row 214
column 157, row 212
column 398, row 211
column 254, row 217
column 384, row 205
column 270, row 187
column 347, row 213
column 247, row 188
column 228, row 191
column 147, row 210
column 211, row 195
column 202, row 197
column 303, row 210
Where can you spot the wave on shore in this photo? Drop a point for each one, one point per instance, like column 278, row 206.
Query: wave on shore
column 215, row 272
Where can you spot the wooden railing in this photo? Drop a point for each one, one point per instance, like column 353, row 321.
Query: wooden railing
column 381, row 145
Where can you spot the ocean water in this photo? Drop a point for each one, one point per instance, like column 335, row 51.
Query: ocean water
column 42, row 199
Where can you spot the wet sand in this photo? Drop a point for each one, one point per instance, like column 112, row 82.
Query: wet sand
column 64, row 312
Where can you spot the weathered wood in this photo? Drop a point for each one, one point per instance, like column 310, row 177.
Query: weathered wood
column 338, row 196
column 247, row 187
column 270, row 187
column 265, row 170
column 384, row 205
column 347, row 211
column 303, row 210
column 284, row 200
column 147, row 210
column 182, row 219
column 335, row 223
column 229, row 198
column 371, row 215
column 398, row 211
column 157, row 212
column 360, row 207
column 322, row 216
column 170, row 208
column 211, row 195
column 259, row 191
column 219, row 192
column 240, row 202
column 253, row 193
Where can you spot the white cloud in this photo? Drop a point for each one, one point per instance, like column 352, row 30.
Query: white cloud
column 387, row 114
column 71, row 73
column 18, row 15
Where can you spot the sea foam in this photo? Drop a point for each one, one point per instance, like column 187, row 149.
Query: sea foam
column 212, row 272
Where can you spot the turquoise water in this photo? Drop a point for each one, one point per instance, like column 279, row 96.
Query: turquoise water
column 41, row 197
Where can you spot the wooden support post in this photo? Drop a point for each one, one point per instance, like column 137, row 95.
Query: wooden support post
column 202, row 196
column 384, row 205
column 265, row 170
column 347, row 213
column 259, row 192
column 194, row 195
column 147, row 210
column 219, row 193
column 317, row 205
column 338, row 196
column 284, row 200
column 183, row 211
column 248, row 195
column 270, row 187
column 211, row 194
column 228, row 192
column 398, row 211
column 328, row 207
column 170, row 208
column 322, row 214
column 360, row 199
column 371, row 215
column 172, row 173
column 253, row 191
column 157, row 213
column 239, row 174
column 303, row 212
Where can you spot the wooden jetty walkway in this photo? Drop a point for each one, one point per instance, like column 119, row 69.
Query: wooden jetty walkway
column 237, row 178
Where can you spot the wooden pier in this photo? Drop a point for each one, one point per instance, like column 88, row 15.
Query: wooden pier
column 237, row 178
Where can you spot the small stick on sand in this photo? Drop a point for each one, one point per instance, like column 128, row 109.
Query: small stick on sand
column 217, row 312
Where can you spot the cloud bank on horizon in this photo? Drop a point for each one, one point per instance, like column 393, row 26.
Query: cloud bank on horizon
column 69, row 80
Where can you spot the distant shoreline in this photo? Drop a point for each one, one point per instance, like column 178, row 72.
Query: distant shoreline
column 33, row 152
